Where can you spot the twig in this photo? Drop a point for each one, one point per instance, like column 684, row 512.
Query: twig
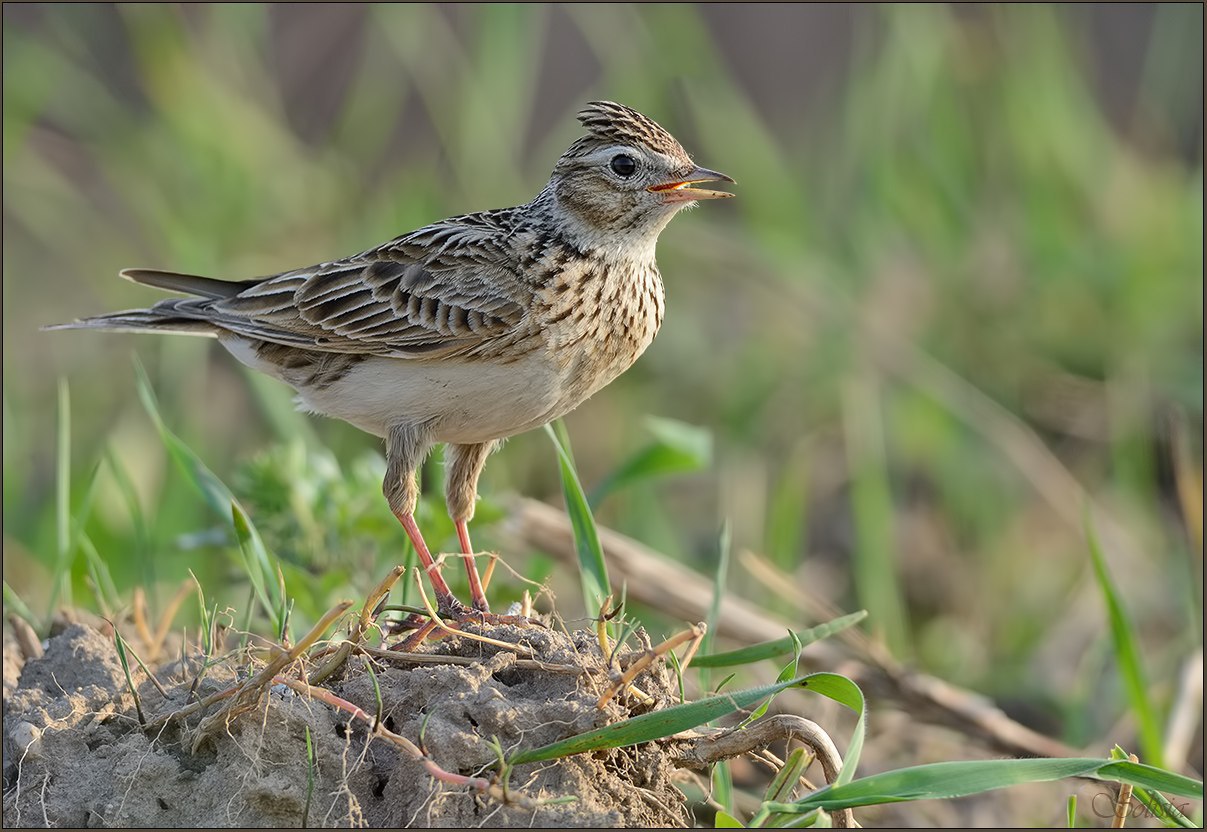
column 695, row 634
column 1124, row 800
column 27, row 639
column 359, row 628
column 139, row 615
column 165, row 620
column 250, row 690
column 432, row 659
column 724, row 745
column 376, row 729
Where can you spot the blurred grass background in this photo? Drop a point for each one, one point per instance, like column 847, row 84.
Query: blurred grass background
column 959, row 295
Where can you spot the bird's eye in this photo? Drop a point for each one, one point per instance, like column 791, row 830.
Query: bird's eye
column 624, row 165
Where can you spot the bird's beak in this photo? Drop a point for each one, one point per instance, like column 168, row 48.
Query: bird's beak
column 680, row 190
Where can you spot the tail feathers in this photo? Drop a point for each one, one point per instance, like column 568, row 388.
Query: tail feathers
column 142, row 320
column 189, row 284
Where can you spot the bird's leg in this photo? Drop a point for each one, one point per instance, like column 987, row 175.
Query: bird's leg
column 464, row 465
column 405, row 450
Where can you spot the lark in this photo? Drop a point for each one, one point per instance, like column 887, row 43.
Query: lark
column 468, row 330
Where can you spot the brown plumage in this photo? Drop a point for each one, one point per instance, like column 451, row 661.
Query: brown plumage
column 468, row 330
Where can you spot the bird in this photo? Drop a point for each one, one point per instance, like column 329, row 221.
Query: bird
column 468, row 330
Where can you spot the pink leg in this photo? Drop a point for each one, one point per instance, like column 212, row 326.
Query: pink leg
column 445, row 599
column 471, row 568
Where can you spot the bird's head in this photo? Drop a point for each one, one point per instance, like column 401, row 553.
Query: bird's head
column 628, row 176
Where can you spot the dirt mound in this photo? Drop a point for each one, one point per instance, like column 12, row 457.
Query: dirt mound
column 76, row 754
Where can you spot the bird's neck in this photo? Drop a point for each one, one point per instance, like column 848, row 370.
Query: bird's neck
column 633, row 243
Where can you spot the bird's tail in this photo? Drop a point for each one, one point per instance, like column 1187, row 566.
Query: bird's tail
column 165, row 316
column 142, row 320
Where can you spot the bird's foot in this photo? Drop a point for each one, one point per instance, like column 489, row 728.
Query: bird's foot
column 454, row 615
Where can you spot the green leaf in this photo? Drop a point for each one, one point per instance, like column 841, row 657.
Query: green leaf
column 264, row 574
column 677, row 448
column 658, row 724
column 724, row 820
column 939, row 781
column 845, row 692
column 13, row 601
column 1156, row 802
column 786, row 673
column 1126, row 651
column 199, row 475
column 120, row 644
column 780, row 646
column 593, row 569
column 255, row 561
column 785, row 780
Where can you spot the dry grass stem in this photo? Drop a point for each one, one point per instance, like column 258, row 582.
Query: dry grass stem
column 399, row 657
column 363, row 622
column 249, row 692
column 164, row 626
column 695, row 634
column 724, row 745
column 376, row 729
column 27, row 639
column 1123, row 801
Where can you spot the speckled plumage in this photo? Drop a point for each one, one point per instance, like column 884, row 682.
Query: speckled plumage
column 473, row 328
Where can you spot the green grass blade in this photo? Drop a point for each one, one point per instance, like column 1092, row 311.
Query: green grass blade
column 1071, row 812
column 120, row 644
column 678, row 448
column 658, row 724
column 786, row 673
column 1144, row 776
column 1161, row 808
column 199, row 475
column 309, row 779
column 260, row 566
column 593, row 569
column 722, row 784
column 778, row 647
column 1127, row 653
column 61, row 585
column 720, row 577
column 204, row 616
column 724, row 820
column 142, row 537
column 845, row 692
column 940, row 781
column 14, row 603
column 874, row 561
column 101, row 576
column 255, row 561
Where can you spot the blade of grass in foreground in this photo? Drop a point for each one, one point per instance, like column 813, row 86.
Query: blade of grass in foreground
column 678, row 718
column 261, row 570
column 14, row 603
column 592, row 566
column 1155, row 802
column 1128, row 655
column 778, row 647
column 61, row 583
column 939, row 781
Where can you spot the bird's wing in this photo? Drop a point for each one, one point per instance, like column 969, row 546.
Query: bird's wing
column 447, row 289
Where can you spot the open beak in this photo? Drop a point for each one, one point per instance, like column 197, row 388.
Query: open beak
column 680, row 190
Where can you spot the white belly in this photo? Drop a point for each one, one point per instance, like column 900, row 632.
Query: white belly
column 463, row 401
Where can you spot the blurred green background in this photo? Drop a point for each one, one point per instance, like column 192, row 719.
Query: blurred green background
column 958, row 296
